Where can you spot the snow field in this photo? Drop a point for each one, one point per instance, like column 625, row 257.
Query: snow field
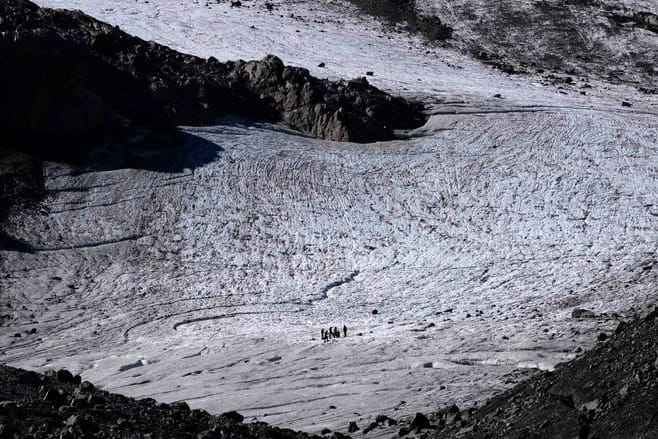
column 474, row 239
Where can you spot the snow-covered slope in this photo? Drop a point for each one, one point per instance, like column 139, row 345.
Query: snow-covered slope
column 612, row 39
column 473, row 240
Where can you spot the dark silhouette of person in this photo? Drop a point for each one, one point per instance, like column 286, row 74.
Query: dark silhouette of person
column 322, row 333
column 344, row 331
column 336, row 332
column 329, row 334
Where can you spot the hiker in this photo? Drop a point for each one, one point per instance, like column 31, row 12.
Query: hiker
column 336, row 332
column 329, row 334
column 344, row 331
column 322, row 333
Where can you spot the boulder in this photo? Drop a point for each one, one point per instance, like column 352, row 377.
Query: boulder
column 420, row 422
column 233, row 416
column 86, row 386
column 579, row 313
column 370, row 427
column 64, row 376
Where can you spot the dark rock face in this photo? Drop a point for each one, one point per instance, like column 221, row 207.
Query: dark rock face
column 50, row 406
column 420, row 421
column 68, row 78
column 345, row 111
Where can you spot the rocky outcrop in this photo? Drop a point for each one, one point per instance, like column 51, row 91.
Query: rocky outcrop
column 60, row 405
column 346, row 111
column 67, row 78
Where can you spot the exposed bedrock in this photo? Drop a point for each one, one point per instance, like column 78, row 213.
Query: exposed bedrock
column 67, row 78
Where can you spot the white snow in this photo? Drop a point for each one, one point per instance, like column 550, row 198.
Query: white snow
column 211, row 284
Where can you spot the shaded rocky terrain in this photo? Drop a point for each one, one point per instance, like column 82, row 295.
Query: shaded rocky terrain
column 74, row 87
column 59, row 405
column 21, row 187
column 68, row 79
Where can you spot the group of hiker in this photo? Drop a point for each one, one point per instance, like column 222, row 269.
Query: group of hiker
column 328, row 334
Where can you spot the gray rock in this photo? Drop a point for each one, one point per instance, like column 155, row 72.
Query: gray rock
column 452, row 415
column 578, row 313
column 233, row 416
column 71, row 421
column 86, row 387
column 589, row 405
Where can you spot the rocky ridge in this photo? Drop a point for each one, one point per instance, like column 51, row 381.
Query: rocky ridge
column 69, row 79
column 60, row 405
